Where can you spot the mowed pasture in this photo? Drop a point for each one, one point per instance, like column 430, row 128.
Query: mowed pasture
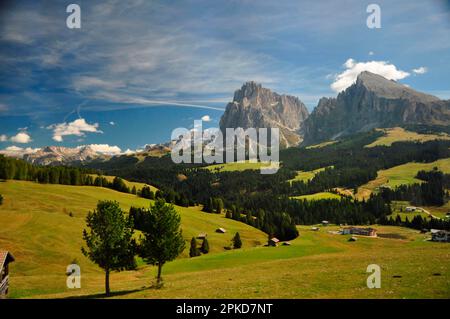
column 42, row 226
column 318, row 196
column 237, row 166
column 398, row 134
column 305, row 176
column 401, row 174
column 316, row 265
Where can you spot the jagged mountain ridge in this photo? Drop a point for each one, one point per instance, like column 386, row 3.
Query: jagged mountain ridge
column 372, row 102
column 258, row 107
column 58, row 155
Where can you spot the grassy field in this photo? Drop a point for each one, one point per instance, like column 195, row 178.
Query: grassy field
column 323, row 144
column 316, row 265
column 402, row 174
column 304, row 176
column 37, row 228
column 138, row 186
column 398, row 134
column 318, row 196
column 236, row 166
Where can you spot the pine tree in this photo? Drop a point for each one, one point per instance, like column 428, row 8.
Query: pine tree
column 218, row 205
column 1, row 199
column 133, row 190
column 194, row 251
column 163, row 240
column 205, row 246
column 109, row 240
column 237, row 243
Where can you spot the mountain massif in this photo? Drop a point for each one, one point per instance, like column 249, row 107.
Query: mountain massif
column 257, row 107
column 373, row 102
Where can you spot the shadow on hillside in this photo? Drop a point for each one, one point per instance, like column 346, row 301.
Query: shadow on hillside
column 111, row 295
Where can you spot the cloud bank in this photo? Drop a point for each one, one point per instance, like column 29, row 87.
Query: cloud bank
column 354, row 68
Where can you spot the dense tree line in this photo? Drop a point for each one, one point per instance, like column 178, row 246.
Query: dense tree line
column 417, row 222
column 432, row 192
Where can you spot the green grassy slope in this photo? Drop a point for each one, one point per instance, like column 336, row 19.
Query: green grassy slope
column 402, row 174
column 318, row 196
column 236, row 166
column 316, row 265
column 138, row 186
column 37, row 229
column 397, row 134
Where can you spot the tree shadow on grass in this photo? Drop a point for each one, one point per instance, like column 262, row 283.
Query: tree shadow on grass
column 112, row 294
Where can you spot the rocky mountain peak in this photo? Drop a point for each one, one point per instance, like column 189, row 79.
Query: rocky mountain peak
column 258, row 107
column 390, row 89
column 373, row 102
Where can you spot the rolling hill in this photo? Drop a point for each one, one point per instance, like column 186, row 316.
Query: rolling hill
column 401, row 174
column 36, row 225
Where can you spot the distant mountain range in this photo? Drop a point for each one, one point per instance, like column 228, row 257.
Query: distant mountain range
column 371, row 102
column 58, row 155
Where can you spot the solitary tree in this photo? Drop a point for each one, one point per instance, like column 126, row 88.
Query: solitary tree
column 237, row 243
column 193, row 251
column 109, row 239
column 205, row 246
column 162, row 240
column 1, row 199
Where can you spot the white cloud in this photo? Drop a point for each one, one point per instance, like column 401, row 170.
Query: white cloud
column 77, row 128
column 105, row 149
column 3, row 138
column 15, row 151
column 112, row 123
column 354, row 68
column 421, row 70
column 22, row 137
column 371, row 53
column 206, row 118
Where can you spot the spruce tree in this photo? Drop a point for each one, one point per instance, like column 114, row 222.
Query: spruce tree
column 237, row 243
column 193, row 251
column 205, row 246
column 163, row 240
column 109, row 240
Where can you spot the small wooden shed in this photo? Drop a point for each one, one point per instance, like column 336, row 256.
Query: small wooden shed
column 202, row 236
column 5, row 258
column 221, row 230
column 273, row 242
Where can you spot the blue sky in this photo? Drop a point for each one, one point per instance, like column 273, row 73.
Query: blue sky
column 138, row 69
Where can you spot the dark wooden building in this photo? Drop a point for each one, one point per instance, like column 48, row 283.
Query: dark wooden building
column 5, row 259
